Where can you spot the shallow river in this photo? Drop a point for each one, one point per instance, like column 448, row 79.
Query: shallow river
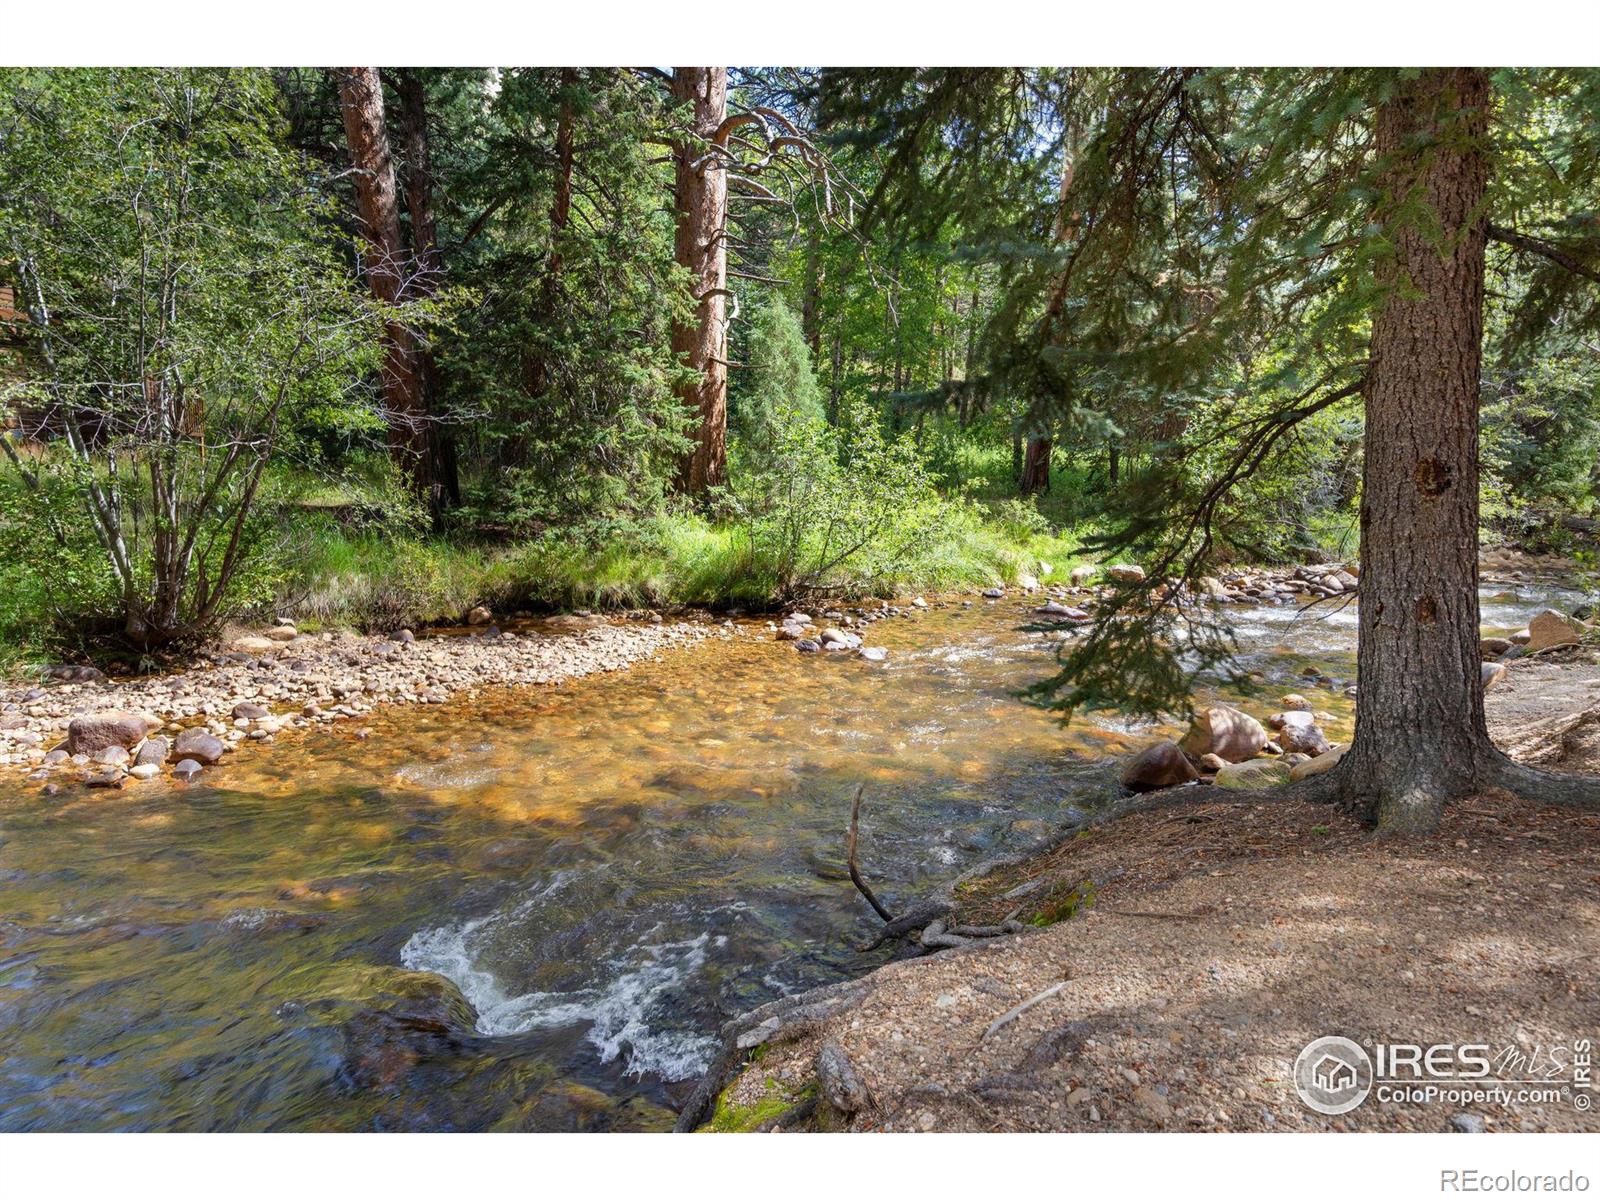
column 605, row 870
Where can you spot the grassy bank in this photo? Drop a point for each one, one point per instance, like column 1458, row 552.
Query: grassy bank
column 372, row 581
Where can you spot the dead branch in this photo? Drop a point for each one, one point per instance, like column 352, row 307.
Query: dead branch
column 1010, row 1015
column 1544, row 249
column 850, row 860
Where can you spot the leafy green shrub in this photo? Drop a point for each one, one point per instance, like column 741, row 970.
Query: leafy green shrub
column 838, row 508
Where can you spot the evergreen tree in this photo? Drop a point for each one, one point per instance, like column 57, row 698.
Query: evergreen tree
column 1342, row 215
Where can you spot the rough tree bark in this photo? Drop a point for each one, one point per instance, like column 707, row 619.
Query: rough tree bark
column 1035, row 479
column 1420, row 735
column 561, row 205
column 377, row 204
column 701, row 202
column 425, row 279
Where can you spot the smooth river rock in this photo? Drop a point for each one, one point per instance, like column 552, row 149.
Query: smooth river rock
column 1298, row 734
column 1316, row 766
column 1159, row 766
column 1550, row 628
column 90, row 735
column 199, row 744
column 1225, row 732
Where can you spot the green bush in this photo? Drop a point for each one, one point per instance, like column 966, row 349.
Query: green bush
column 777, row 384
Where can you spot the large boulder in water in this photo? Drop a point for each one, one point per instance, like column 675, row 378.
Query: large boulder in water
column 90, row 735
column 1162, row 765
column 1125, row 573
column 1225, row 732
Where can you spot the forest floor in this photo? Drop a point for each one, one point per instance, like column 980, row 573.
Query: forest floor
column 1218, row 940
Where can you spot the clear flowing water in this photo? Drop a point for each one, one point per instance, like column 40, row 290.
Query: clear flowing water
column 532, row 911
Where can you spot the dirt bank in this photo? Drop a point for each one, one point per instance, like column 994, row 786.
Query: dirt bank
column 1206, row 946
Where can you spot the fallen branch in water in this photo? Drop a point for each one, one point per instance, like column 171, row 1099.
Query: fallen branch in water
column 850, row 861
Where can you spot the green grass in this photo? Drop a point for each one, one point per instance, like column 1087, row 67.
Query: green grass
column 376, row 582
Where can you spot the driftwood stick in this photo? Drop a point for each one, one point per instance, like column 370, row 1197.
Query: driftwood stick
column 850, row 858
column 1010, row 1015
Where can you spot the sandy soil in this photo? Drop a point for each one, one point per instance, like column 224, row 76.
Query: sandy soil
column 1220, row 940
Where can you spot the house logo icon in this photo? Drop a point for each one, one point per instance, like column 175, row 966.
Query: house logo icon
column 1333, row 1075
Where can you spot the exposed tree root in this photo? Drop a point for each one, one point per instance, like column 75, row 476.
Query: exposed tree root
column 1548, row 787
column 927, row 917
column 790, row 1117
column 1550, row 743
column 780, row 1021
column 918, row 918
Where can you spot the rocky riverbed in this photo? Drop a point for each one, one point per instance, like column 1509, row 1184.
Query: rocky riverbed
column 77, row 726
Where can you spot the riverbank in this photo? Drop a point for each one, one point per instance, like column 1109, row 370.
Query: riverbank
column 112, row 732
column 1195, row 951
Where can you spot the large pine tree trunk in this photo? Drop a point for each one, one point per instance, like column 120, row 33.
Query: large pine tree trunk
column 1036, row 467
column 426, row 278
column 1420, row 735
column 377, row 204
column 701, row 201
